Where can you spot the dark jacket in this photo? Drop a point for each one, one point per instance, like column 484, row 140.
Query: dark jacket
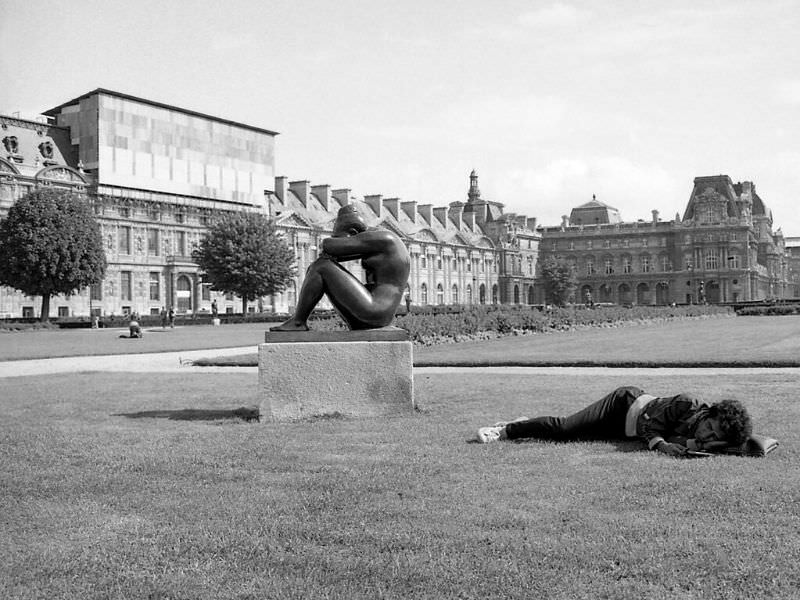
column 673, row 419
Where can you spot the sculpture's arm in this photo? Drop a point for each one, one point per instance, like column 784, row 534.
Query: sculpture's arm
column 355, row 246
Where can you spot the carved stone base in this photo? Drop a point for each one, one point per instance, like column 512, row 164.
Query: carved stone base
column 300, row 380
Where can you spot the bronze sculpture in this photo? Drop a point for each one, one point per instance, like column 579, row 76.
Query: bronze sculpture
column 386, row 264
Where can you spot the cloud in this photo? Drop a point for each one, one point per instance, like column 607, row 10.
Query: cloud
column 562, row 184
column 228, row 41
column 788, row 92
column 557, row 14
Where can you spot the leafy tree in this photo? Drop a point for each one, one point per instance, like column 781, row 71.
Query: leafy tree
column 50, row 243
column 244, row 254
column 559, row 281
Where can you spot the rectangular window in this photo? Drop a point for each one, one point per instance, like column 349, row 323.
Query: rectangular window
column 205, row 291
column 125, row 213
column 96, row 291
column 589, row 266
column 645, row 264
column 589, row 244
column 125, row 285
column 27, row 312
column 180, row 217
column 666, row 265
column 734, row 261
column 152, row 242
column 63, row 311
column 423, row 261
column 155, row 285
column 181, row 240
column 626, row 265
column 712, row 260
column 124, row 240
column 609, row 266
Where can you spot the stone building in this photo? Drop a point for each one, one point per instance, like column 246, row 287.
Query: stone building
column 723, row 249
column 157, row 175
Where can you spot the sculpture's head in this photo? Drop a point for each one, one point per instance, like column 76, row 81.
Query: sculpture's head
column 348, row 222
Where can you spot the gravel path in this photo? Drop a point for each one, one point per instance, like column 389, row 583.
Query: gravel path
column 164, row 362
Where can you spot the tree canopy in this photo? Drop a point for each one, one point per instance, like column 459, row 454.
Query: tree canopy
column 243, row 253
column 559, row 281
column 50, row 244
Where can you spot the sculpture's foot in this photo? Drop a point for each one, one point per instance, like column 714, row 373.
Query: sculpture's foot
column 290, row 325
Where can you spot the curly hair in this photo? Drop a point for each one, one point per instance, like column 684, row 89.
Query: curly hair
column 734, row 420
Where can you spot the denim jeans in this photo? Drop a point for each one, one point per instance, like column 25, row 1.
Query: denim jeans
column 602, row 420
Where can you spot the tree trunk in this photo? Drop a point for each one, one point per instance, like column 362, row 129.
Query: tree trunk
column 244, row 307
column 45, row 316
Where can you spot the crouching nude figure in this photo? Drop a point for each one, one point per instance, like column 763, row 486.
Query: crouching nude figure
column 386, row 265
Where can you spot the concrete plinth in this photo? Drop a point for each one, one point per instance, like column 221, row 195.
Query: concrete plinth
column 302, row 379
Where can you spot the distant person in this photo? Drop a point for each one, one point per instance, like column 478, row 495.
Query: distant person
column 214, row 310
column 673, row 425
column 134, row 328
column 163, row 314
column 386, row 264
column 171, row 317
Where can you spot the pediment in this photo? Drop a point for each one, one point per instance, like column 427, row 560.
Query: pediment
column 484, row 242
column 293, row 219
column 7, row 167
column 61, row 173
column 425, row 235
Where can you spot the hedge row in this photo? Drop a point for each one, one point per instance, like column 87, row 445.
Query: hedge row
column 487, row 322
column 775, row 309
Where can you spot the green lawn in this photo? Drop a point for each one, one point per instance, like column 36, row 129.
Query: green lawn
column 95, row 505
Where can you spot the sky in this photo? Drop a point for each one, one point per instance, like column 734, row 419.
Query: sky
column 550, row 102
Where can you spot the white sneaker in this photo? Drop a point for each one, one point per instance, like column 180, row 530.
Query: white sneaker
column 491, row 434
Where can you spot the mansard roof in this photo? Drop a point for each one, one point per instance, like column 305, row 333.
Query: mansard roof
column 593, row 212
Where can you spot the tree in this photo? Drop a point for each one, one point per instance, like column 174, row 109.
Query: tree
column 244, row 254
column 50, row 244
column 559, row 281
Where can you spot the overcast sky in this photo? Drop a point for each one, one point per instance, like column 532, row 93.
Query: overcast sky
column 550, row 102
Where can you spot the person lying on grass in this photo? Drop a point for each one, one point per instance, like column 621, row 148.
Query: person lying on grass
column 676, row 425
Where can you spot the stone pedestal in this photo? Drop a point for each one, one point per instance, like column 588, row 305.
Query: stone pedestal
column 348, row 373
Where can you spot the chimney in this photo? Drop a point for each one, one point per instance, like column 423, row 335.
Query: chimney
column 393, row 206
column 375, row 202
column 342, row 197
column 323, row 192
column 424, row 211
column 440, row 212
column 302, row 190
column 281, row 187
column 655, row 216
column 531, row 223
column 564, row 221
column 469, row 219
column 455, row 212
column 410, row 208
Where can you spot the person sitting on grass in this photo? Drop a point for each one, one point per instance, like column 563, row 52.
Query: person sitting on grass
column 673, row 425
column 386, row 264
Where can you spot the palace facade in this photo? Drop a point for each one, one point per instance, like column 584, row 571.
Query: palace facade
column 723, row 249
column 158, row 174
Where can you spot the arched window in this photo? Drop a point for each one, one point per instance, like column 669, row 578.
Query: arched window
column 439, row 294
column 469, row 294
column 454, row 294
column 516, row 294
column 494, row 294
column 530, row 294
column 423, row 292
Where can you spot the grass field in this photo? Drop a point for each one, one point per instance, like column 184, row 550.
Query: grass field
column 97, row 505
